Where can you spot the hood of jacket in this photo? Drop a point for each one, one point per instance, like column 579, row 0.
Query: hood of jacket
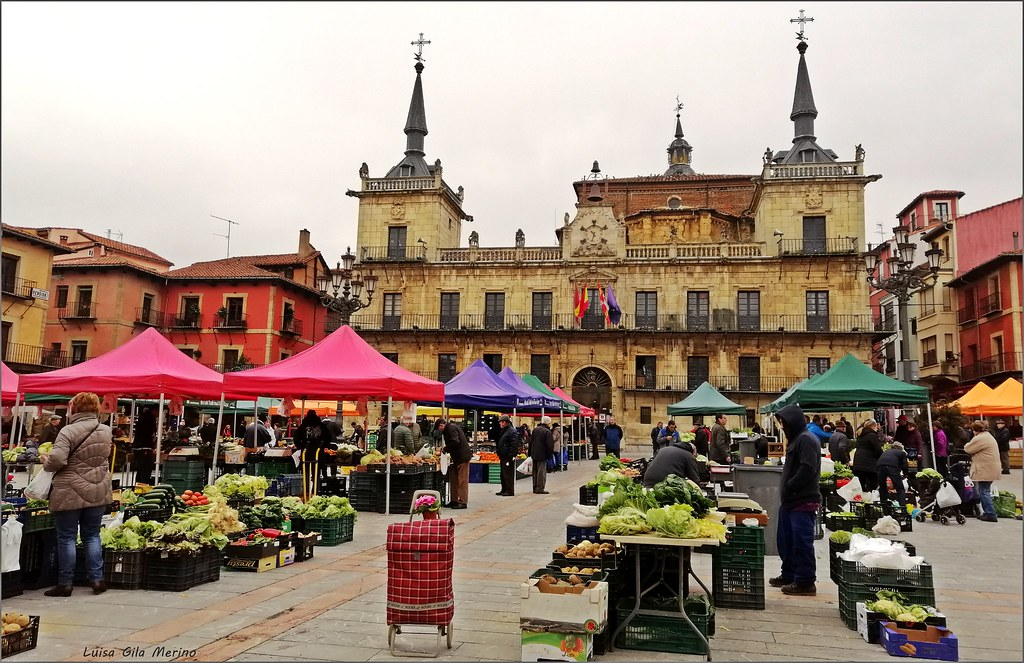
column 793, row 422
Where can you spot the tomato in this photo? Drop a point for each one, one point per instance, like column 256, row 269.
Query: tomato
column 186, row 493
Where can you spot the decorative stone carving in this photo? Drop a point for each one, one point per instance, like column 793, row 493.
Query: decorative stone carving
column 592, row 241
column 858, row 152
column 461, row 194
column 398, row 211
column 813, row 199
column 364, row 171
column 474, row 240
column 520, row 239
column 565, row 220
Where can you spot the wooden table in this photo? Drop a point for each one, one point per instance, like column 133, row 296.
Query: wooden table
column 683, row 549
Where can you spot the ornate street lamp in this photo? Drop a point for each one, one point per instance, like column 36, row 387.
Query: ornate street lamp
column 349, row 284
column 904, row 279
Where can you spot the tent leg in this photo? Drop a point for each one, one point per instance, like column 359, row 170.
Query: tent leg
column 387, row 477
column 159, row 439
column 216, row 441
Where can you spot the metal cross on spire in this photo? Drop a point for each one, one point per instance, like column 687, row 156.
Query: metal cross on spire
column 420, row 43
column 679, row 105
column 800, row 19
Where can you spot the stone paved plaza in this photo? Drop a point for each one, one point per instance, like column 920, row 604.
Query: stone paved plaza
column 332, row 607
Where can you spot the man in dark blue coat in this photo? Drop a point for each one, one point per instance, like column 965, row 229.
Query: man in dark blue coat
column 801, row 499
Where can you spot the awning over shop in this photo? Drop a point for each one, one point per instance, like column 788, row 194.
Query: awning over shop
column 705, row 399
column 8, row 384
column 477, row 386
column 548, row 400
column 1003, row 401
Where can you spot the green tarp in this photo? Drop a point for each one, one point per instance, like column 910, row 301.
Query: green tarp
column 705, row 399
column 535, row 382
column 850, row 382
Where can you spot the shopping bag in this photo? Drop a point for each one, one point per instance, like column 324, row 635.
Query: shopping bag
column 850, row 490
column 39, row 487
column 426, row 451
column 947, row 495
column 444, row 462
column 525, row 467
column 10, row 545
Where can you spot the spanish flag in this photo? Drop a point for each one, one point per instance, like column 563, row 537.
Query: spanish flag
column 582, row 302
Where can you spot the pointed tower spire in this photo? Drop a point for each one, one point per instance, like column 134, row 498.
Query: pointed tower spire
column 679, row 150
column 804, row 111
column 414, row 165
column 805, row 148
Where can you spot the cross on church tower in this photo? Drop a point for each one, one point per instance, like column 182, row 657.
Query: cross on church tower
column 421, row 42
column 800, row 19
column 679, row 105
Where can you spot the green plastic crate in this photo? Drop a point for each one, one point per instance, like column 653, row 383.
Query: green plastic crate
column 664, row 634
column 851, row 595
column 333, row 530
column 494, row 473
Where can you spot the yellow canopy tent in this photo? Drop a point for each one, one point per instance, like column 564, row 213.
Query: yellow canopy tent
column 323, row 408
column 978, row 394
column 1003, row 401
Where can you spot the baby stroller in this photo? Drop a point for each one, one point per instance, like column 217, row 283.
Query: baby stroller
column 941, row 499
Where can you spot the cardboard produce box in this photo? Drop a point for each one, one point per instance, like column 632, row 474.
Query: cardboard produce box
column 934, row 642
column 868, row 622
column 256, row 565
column 583, row 606
column 549, row 646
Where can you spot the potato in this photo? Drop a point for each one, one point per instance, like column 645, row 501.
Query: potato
column 22, row 621
column 562, row 549
column 11, row 628
column 549, row 579
column 575, row 580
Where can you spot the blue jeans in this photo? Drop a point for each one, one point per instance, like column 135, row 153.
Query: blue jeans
column 985, row 490
column 795, row 539
column 67, row 524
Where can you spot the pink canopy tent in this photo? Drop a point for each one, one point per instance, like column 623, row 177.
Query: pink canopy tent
column 584, row 410
column 146, row 366
column 8, row 384
column 342, row 366
column 345, row 367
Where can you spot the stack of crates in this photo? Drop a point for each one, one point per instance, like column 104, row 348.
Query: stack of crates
column 184, row 474
column 494, row 473
column 402, row 488
column 478, row 473
column 364, row 489
column 859, row 583
column 738, row 569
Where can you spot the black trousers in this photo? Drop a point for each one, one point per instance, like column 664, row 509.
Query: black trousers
column 594, row 448
column 143, row 462
column 896, row 477
column 508, row 476
column 868, row 479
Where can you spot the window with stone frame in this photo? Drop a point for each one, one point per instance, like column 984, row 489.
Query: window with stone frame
column 446, row 367
column 540, row 367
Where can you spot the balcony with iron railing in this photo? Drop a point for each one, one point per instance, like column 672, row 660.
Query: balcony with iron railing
column 989, row 304
column 818, row 246
column 966, row 314
column 231, row 368
column 730, row 383
column 150, row 317
column 17, row 287
column 83, row 310
column 21, row 354
column 991, row 365
column 291, row 326
column 720, row 320
column 231, row 320
column 885, row 323
column 185, row 320
column 412, row 253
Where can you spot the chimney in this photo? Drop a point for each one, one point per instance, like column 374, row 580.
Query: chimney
column 305, row 248
column 1016, row 240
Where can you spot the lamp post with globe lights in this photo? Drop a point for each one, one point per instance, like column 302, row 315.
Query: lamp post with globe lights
column 904, row 280
column 341, row 289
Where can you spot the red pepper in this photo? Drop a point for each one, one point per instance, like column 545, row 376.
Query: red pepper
column 271, row 533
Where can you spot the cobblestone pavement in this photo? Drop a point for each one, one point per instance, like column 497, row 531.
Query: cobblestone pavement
column 332, row 607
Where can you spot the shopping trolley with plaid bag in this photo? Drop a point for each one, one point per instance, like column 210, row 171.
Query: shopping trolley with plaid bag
column 421, row 554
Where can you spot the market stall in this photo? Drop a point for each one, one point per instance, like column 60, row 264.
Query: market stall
column 146, row 366
column 705, row 400
column 1003, row 401
column 341, row 367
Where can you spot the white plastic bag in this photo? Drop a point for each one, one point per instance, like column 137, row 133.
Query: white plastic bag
column 426, row 451
column 891, row 560
column 583, row 516
column 39, row 487
column 827, row 465
column 886, row 525
column 525, row 467
column 947, row 496
column 850, row 490
column 444, row 462
column 10, row 545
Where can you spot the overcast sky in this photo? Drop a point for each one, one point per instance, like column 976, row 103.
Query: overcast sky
column 146, row 118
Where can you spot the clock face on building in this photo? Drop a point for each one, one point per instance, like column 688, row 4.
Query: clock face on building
column 593, row 234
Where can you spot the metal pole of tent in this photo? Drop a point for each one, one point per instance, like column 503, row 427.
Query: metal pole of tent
column 931, row 435
column 387, row 477
column 159, row 439
column 561, row 426
column 16, row 430
column 216, row 440
column 131, row 439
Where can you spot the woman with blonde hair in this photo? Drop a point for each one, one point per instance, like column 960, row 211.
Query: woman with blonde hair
column 80, row 494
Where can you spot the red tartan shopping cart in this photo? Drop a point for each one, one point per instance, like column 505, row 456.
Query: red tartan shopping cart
column 421, row 554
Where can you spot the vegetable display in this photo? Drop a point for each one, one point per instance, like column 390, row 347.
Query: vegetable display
column 324, row 507
column 676, row 490
column 840, row 537
column 239, row 485
column 11, row 455
column 893, row 605
column 929, row 473
column 841, row 471
column 186, row 533
column 130, row 535
column 609, row 462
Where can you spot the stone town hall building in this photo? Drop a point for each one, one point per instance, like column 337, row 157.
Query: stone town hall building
column 749, row 281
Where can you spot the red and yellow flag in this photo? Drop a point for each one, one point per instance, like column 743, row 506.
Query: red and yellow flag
column 583, row 303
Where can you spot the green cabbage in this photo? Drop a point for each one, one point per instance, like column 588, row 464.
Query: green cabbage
column 675, row 520
column 627, row 520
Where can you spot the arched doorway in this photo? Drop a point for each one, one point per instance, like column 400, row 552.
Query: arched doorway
column 592, row 387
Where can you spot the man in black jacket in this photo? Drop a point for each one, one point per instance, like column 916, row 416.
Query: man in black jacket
column 1002, row 435
column 801, row 499
column 596, row 435
column 456, row 445
column 542, row 445
column 892, row 466
column 675, row 458
column 508, row 446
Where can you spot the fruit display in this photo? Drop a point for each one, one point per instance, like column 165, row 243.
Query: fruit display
column 572, row 581
column 194, row 498
column 585, row 549
column 14, row 622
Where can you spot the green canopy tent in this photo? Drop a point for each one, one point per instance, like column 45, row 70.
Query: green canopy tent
column 787, row 397
column 705, row 399
column 534, row 382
